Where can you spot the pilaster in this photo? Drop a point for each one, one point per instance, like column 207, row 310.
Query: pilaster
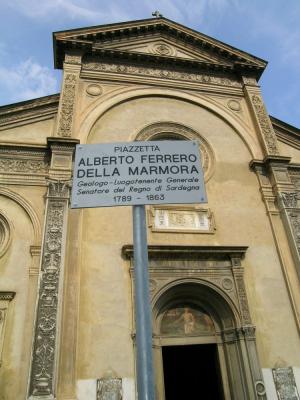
column 281, row 200
column 67, row 102
column 45, row 349
column 260, row 117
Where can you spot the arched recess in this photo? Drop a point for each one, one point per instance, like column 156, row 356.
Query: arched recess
column 29, row 210
column 168, row 130
column 235, row 361
column 105, row 103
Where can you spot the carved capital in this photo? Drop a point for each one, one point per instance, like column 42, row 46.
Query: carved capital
column 59, row 189
column 74, row 58
column 290, row 199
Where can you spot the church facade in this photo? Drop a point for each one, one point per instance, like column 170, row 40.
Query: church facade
column 224, row 276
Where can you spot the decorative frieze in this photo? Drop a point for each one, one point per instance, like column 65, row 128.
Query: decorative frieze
column 45, row 339
column 163, row 73
column 265, row 125
column 9, row 165
column 67, row 105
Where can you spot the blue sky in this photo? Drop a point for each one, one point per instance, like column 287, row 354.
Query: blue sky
column 269, row 29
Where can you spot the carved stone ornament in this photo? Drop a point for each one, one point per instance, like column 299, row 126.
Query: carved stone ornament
column 181, row 219
column 67, row 106
column 227, row 283
column 285, row 384
column 163, row 73
column 234, row 105
column 163, row 49
column 109, row 387
column 290, row 199
column 73, row 59
column 44, row 347
column 295, row 178
column 9, row 165
column 260, row 388
column 242, row 296
column 5, row 234
column 94, row 90
column 294, row 218
column 249, row 81
column 5, row 299
column 265, row 125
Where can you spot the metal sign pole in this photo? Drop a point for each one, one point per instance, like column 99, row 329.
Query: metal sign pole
column 145, row 378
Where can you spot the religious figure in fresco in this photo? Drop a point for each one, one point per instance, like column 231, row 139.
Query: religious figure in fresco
column 186, row 320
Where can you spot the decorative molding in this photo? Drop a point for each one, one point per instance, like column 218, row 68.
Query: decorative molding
column 31, row 110
column 9, row 165
column 42, row 379
column 189, row 252
column 234, row 105
column 30, row 211
column 67, row 105
column 290, row 199
column 5, row 299
column 172, row 130
column 247, row 80
column 181, row 219
column 242, row 296
column 260, row 388
column 94, row 90
column 5, row 234
column 162, row 73
column 163, row 49
column 73, row 59
column 265, row 124
column 7, row 296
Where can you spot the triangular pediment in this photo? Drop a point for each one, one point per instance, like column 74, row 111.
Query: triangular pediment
column 155, row 38
column 161, row 46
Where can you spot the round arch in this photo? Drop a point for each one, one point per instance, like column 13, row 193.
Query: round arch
column 237, row 363
column 107, row 102
column 29, row 210
column 201, row 293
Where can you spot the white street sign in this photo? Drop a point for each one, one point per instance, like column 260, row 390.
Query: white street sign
column 136, row 173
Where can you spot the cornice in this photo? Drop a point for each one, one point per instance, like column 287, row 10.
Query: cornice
column 154, row 60
column 29, row 111
column 286, row 133
column 85, row 39
column 188, row 252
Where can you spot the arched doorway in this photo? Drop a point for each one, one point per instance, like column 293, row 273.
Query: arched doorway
column 189, row 319
column 207, row 282
column 189, row 352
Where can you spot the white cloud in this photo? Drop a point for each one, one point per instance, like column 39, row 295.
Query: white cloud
column 25, row 81
column 89, row 10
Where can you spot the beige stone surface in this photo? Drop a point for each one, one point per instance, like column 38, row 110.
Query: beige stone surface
column 14, row 270
column 35, row 133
